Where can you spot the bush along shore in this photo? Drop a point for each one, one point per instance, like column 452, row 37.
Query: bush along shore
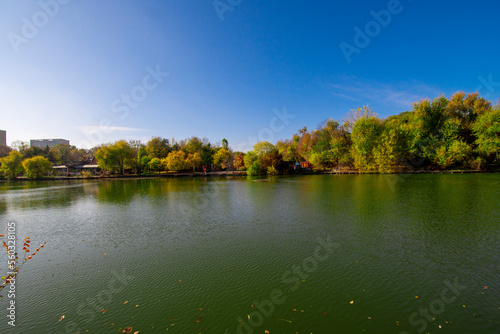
column 456, row 134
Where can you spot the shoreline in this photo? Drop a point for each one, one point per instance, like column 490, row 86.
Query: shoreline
column 243, row 173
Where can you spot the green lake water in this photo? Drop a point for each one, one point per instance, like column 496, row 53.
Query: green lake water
column 304, row 254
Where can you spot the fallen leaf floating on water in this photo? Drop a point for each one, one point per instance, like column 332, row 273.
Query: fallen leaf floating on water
column 266, row 331
column 351, row 302
column 61, row 318
column 485, row 287
column 125, row 302
column 104, row 311
column 127, row 330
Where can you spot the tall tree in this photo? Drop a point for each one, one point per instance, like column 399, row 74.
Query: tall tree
column 365, row 135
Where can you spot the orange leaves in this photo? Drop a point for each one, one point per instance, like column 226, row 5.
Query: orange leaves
column 14, row 266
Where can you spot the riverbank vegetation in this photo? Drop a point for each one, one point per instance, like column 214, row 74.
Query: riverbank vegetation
column 462, row 132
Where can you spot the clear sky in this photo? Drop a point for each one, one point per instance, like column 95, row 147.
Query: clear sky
column 98, row 71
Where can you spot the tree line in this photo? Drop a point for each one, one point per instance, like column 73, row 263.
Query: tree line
column 460, row 132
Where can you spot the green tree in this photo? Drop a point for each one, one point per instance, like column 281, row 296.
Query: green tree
column 252, row 164
column 365, row 136
column 392, row 148
column 116, row 157
column 37, row 167
column 155, row 165
column 11, row 165
column 249, row 158
column 33, row 151
column 158, row 147
column 62, row 154
column 207, row 154
column 193, row 145
column 254, row 169
column 487, row 131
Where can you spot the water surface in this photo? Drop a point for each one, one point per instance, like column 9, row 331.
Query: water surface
column 193, row 255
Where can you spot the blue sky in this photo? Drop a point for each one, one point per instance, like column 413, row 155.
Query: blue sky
column 98, row 71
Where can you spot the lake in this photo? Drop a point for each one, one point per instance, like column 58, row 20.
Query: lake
column 303, row 254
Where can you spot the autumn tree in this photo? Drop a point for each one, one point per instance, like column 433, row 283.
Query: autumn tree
column 37, row 167
column 239, row 161
column 194, row 161
column 11, row 165
column 175, row 161
column 222, row 158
